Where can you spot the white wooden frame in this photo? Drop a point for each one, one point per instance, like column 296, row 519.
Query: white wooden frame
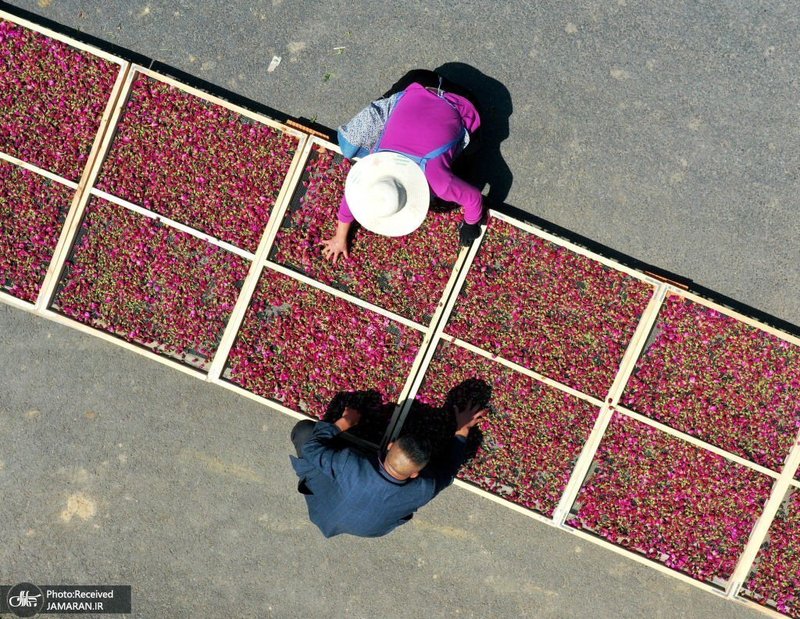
column 246, row 294
column 265, row 263
column 82, row 183
column 39, row 171
column 458, row 266
column 605, row 410
column 782, row 481
column 86, row 190
column 25, row 23
column 747, row 559
column 433, row 333
column 4, row 295
column 91, row 191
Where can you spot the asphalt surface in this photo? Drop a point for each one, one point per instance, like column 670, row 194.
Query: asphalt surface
column 114, row 470
column 666, row 131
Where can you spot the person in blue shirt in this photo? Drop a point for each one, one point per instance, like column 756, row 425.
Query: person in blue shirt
column 347, row 491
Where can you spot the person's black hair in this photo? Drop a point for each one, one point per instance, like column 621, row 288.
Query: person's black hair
column 416, row 448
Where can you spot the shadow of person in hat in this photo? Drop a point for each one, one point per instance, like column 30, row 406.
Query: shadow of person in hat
column 482, row 162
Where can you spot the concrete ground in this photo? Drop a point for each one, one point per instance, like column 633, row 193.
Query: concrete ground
column 666, row 131
column 115, row 470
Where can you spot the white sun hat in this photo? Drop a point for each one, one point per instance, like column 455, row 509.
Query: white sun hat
column 387, row 193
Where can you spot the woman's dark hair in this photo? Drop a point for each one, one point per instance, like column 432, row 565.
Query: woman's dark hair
column 416, row 448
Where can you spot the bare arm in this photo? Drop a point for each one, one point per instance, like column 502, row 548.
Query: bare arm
column 336, row 246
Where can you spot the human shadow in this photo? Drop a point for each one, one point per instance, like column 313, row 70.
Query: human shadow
column 435, row 424
column 438, row 424
column 483, row 163
column 375, row 413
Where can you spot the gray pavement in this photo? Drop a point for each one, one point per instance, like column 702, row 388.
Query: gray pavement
column 115, row 470
column 667, row 131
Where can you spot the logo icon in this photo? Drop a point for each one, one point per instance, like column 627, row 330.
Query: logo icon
column 25, row 599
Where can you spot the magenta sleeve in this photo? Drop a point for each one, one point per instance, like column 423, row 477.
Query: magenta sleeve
column 447, row 186
column 344, row 214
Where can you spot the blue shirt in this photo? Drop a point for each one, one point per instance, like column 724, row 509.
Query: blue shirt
column 352, row 493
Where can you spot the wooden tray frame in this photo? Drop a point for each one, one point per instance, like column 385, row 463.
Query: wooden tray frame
column 6, row 296
column 433, row 333
column 781, row 481
column 83, row 182
column 90, row 191
column 266, row 264
column 746, row 560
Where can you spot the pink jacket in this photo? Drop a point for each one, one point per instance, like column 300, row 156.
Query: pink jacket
column 420, row 123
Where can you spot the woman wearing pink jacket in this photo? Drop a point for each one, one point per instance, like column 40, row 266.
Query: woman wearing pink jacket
column 407, row 142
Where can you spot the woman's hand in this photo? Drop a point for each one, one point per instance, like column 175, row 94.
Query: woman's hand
column 468, row 233
column 337, row 246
